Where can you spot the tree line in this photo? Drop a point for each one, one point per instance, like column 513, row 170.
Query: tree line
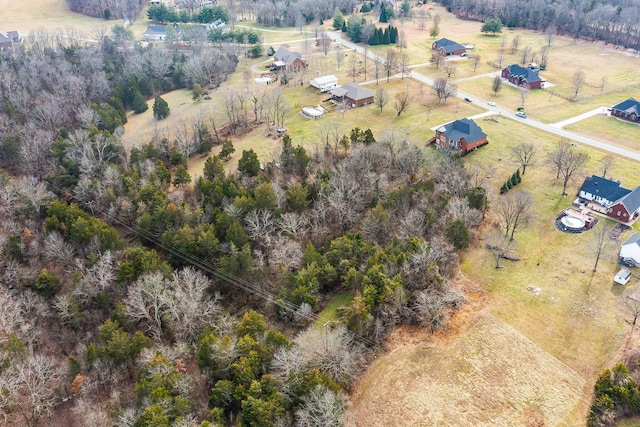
column 609, row 21
column 129, row 10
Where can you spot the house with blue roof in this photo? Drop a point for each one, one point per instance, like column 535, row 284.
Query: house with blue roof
column 629, row 109
column 446, row 47
column 522, row 77
column 611, row 199
column 460, row 137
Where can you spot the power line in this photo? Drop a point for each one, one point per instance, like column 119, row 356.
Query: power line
column 238, row 282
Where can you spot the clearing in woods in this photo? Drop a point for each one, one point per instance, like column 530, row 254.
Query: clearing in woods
column 489, row 375
column 25, row 16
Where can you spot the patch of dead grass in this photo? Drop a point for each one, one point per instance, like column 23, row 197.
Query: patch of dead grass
column 490, row 375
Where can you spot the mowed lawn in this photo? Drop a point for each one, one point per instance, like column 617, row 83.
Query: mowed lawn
column 27, row 16
column 609, row 129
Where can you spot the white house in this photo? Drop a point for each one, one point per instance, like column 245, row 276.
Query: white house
column 630, row 251
column 324, row 83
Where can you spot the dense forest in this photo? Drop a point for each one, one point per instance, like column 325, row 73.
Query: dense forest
column 129, row 10
column 131, row 295
column 612, row 21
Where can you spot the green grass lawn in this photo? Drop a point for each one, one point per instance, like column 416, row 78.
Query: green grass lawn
column 609, row 129
column 330, row 312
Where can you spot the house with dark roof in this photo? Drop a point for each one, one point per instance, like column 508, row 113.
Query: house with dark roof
column 629, row 109
column 611, row 199
column 155, row 33
column 353, row 94
column 461, row 137
column 283, row 59
column 9, row 38
column 630, row 251
column 523, row 77
column 446, row 47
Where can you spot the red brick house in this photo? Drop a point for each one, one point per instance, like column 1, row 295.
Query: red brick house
column 628, row 109
column 446, row 47
column 461, row 137
column 522, row 77
column 610, row 198
column 283, row 59
column 353, row 94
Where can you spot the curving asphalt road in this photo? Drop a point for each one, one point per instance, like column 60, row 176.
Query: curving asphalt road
column 604, row 146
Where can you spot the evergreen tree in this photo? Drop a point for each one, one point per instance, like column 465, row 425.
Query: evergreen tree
column 504, row 188
column 386, row 39
column 458, row 234
column 338, row 20
column 374, row 40
column 160, row 108
column 383, row 14
column 513, row 180
column 368, row 137
column 138, row 104
column 518, row 177
column 181, row 177
column 249, row 164
column 344, row 26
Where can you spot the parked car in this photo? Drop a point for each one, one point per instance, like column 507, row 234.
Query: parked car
column 521, row 114
column 491, row 104
column 462, row 55
column 468, row 99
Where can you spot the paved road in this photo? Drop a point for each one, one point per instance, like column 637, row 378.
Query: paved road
column 604, row 146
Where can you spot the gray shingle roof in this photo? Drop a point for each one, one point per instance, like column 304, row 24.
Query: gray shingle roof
column 156, row 30
column 355, row 92
column 631, row 201
column 448, row 45
column 528, row 74
column 463, row 128
column 287, row 56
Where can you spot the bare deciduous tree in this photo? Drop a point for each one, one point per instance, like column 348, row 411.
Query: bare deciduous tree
column 607, row 163
column 550, row 33
column 450, row 68
column 601, row 242
column 321, row 407
column 496, row 85
column 513, row 211
column 499, row 246
column 555, row 159
column 631, row 305
column 325, row 43
column 190, row 305
column 476, row 61
column 525, row 154
column 30, row 386
column 402, row 102
column 573, row 163
column 147, row 302
column 390, row 61
column 524, row 54
column 524, row 92
column 514, row 44
column 577, row 81
column 381, row 98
